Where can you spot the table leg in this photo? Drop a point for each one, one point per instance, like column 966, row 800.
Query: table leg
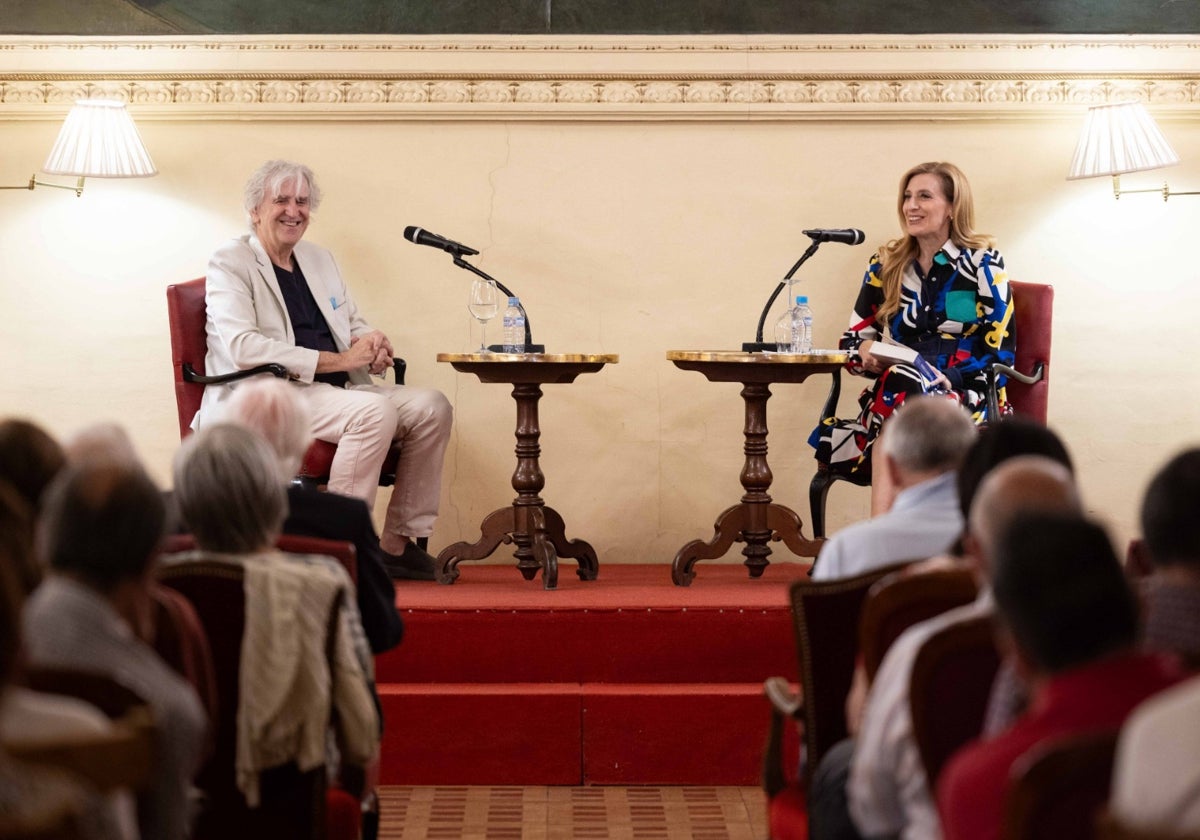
column 756, row 520
column 497, row 528
column 727, row 528
column 589, row 565
column 537, row 531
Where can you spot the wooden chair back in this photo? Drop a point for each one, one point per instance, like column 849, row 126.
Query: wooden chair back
column 343, row 552
column 1059, row 789
column 951, row 681
column 900, row 600
column 292, row 802
column 1111, row 827
column 825, row 615
column 121, row 759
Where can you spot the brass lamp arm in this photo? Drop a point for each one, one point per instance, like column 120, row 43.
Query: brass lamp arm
column 34, row 182
column 1165, row 191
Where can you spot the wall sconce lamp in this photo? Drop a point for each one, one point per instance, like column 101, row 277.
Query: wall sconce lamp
column 97, row 140
column 1122, row 138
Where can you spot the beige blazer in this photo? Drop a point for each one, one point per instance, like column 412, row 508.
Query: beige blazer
column 248, row 323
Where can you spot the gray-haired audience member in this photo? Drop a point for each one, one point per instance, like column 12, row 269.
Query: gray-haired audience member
column 874, row 785
column 922, row 446
column 230, row 495
column 277, row 412
column 99, row 533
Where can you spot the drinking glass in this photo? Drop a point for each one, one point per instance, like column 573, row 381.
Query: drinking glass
column 483, row 304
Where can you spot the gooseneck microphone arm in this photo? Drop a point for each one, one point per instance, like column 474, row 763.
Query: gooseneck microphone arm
column 762, row 319
column 461, row 263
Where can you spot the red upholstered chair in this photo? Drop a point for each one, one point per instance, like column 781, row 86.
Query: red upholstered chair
column 1060, row 789
column 343, row 552
column 293, row 804
column 1027, row 389
column 948, row 692
column 188, row 318
column 825, row 616
column 900, row 600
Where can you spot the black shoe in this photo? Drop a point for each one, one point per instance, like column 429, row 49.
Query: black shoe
column 414, row 564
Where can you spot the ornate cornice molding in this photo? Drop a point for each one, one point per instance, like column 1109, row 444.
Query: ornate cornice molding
column 606, row 79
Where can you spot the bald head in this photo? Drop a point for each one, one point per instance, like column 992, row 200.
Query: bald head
column 1025, row 484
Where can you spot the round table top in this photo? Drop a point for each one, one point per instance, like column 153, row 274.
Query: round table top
column 823, row 357
column 535, row 358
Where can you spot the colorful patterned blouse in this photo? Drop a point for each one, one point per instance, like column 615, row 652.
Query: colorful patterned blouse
column 959, row 316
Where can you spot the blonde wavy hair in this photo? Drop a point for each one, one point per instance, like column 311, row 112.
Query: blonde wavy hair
column 897, row 254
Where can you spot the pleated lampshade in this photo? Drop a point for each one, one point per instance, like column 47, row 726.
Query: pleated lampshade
column 99, row 140
column 1120, row 138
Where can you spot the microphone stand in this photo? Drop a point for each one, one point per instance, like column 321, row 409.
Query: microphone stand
column 758, row 345
column 530, row 347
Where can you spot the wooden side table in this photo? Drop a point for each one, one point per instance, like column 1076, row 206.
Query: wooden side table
column 535, row 528
column 755, row 520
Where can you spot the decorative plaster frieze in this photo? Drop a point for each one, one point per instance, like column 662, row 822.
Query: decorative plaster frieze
column 494, row 78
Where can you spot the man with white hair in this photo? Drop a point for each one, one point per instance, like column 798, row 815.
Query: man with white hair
column 277, row 412
column 273, row 298
column 922, row 447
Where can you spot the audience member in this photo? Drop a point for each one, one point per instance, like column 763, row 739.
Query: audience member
column 922, row 447
column 1171, row 533
column 100, row 531
column 875, row 785
column 994, row 444
column 230, row 495
column 105, row 440
column 277, row 412
column 1156, row 780
column 29, row 459
column 36, row 719
column 1068, row 614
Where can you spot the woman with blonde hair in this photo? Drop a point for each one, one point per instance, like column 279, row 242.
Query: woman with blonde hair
column 940, row 289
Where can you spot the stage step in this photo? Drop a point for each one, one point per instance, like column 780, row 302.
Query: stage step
column 625, row 680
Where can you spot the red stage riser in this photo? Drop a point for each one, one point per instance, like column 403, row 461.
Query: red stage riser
column 728, row 645
column 540, row 734
column 625, row 680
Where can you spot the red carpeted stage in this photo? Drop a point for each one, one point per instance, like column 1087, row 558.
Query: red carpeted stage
column 624, row 680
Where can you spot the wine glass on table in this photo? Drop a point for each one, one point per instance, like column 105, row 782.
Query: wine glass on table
column 483, row 305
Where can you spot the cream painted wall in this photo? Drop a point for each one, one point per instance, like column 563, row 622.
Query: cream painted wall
column 622, row 236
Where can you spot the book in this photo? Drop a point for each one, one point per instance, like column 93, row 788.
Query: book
column 899, row 354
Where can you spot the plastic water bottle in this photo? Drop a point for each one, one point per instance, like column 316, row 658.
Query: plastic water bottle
column 514, row 327
column 802, row 318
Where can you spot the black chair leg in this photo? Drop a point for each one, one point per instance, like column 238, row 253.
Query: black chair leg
column 818, row 489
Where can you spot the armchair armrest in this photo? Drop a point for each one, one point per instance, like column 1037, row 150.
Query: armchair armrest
column 399, row 366
column 785, row 705
column 997, row 370
column 190, row 375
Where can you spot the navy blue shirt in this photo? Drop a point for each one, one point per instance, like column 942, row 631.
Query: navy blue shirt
column 308, row 324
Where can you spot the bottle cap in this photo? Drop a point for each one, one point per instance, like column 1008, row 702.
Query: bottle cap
column 513, row 301
column 802, row 299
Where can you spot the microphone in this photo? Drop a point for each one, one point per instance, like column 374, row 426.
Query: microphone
column 420, row 236
column 849, row 236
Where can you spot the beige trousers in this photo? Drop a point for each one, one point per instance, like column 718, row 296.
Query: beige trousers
column 363, row 421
